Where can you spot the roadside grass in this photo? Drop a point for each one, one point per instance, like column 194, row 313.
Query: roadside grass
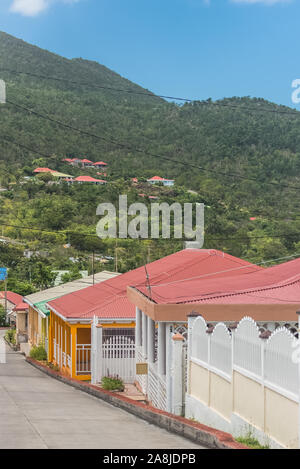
column 251, row 442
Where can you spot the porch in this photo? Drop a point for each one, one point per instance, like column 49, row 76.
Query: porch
column 69, row 347
column 157, row 343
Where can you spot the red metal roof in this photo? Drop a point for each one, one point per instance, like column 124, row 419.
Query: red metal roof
column 87, row 179
column 43, row 170
column 21, row 307
column 86, row 161
column 100, row 163
column 158, row 178
column 274, row 285
column 12, row 297
column 109, row 299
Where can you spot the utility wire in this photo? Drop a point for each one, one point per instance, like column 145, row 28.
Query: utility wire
column 128, row 146
column 46, row 155
column 68, row 232
column 157, row 96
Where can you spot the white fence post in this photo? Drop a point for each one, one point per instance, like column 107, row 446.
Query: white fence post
column 169, row 351
column 191, row 320
column 177, row 375
column 96, row 352
column 94, row 346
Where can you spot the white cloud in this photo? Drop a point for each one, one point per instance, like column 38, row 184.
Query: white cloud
column 34, row 7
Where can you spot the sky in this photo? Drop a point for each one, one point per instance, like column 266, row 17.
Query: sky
column 197, row 49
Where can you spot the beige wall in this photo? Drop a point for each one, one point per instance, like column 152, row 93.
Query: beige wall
column 248, row 400
column 220, row 395
column 199, row 383
column 281, row 418
column 269, row 413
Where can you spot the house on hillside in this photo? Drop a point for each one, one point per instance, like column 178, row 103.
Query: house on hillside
column 71, row 316
column 38, row 314
column 43, row 170
column 100, row 165
column 86, row 163
column 61, row 176
column 72, row 161
column 160, row 180
column 89, row 180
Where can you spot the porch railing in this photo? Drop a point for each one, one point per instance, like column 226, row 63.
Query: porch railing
column 83, row 359
column 157, row 390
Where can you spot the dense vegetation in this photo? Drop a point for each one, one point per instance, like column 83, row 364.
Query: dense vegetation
column 228, row 138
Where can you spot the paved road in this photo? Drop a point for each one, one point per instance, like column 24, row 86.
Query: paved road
column 37, row 411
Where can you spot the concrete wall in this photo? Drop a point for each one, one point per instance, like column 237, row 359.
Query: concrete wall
column 242, row 405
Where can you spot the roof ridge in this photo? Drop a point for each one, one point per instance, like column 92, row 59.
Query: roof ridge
column 244, row 292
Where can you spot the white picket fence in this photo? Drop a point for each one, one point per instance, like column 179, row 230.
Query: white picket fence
column 241, row 380
column 112, row 355
column 118, row 358
column 269, row 361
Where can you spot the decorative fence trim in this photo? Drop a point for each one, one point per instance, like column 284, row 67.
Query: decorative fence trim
column 221, row 349
column 247, row 346
column 251, row 356
column 278, row 356
column 199, row 331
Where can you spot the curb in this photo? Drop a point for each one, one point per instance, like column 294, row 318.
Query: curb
column 196, row 432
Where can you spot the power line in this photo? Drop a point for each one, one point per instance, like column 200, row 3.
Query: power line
column 38, row 152
column 151, row 95
column 128, row 146
column 68, row 232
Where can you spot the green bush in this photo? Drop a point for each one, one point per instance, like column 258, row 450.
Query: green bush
column 10, row 336
column 38, row 353
column 112, row 383
column 3, row 322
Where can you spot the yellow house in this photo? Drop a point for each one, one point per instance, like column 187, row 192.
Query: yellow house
column 70, row 335
column 38, row 313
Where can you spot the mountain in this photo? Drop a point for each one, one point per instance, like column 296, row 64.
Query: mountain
column 241, row 155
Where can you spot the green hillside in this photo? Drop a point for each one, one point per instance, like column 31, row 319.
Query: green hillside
column 225, row 139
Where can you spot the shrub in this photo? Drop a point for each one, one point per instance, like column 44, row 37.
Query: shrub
column 10, row 336
column 38, row 353
column 112, row 383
